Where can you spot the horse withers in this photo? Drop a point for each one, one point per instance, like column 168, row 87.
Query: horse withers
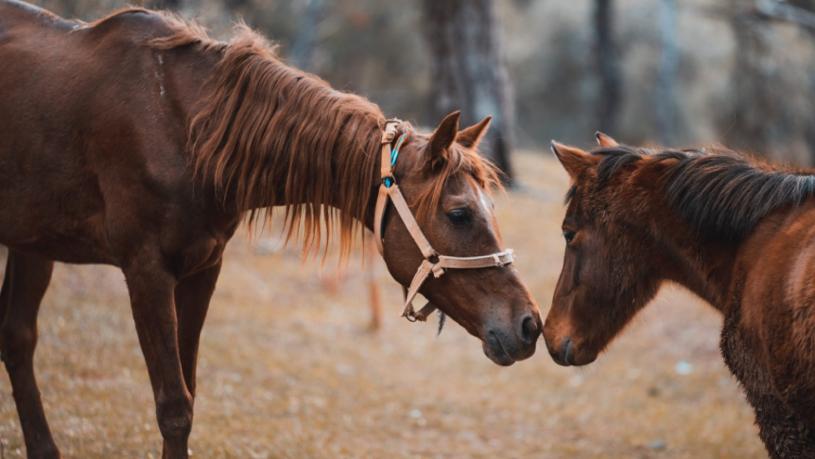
column 737, row 232
column 138, row 141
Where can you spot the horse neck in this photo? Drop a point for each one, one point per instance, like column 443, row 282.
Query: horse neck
column 345, row 204
column 317, row 148
column 703, row 266
column 706, row 269
column 331, row 167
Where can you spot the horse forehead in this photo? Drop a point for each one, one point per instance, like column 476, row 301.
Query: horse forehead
column 480, row 202
column 484, row 201
column 465, row 188
column 580, row 200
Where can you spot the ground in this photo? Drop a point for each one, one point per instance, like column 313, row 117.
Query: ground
column 287, row 370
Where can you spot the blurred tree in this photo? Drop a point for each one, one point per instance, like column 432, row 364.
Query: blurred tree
column 165, row 4
column 760, row 114
column 468, row 71
column 236, row 5
column 747, row 122
column 606, row 61
column 666, row 106
column 802, row 14
column 305, row 39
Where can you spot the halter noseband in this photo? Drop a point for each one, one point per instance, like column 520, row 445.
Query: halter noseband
column 433, row 262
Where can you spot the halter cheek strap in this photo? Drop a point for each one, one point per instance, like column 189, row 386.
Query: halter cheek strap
column 433, row 262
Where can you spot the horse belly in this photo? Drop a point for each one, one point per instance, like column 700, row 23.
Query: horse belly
column 50, row 207
column 58, row 236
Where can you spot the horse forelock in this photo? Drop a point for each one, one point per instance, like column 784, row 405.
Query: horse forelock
column 461, row 162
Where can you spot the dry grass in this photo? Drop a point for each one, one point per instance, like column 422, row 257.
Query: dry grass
column 286, row 370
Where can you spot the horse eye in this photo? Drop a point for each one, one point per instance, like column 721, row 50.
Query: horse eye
column 568, row 235
column 459, row 216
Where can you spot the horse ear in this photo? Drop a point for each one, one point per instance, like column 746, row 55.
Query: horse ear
column 443, row 137
column 470, row 137
column 573, row 159
column 605, row 140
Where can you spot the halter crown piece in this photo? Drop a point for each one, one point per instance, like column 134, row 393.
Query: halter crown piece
column 433, row 262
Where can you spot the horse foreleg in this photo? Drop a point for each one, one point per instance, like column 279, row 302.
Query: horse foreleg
column 26, row 280
column 151, row 290
column 192, row 297
column 5, row 289
column 792, row 430
column 783, row 432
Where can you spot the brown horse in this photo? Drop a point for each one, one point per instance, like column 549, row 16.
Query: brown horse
column 737, row 232
column 137, row 141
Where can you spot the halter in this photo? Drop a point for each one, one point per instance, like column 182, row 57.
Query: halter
column 433, row 262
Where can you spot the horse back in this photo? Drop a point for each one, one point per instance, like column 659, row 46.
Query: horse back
column 14, row 13
column 92, row 132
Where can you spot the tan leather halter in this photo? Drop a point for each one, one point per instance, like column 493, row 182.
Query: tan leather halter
column 433, row 262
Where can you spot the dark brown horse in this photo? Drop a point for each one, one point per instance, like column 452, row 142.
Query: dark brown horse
column 139, row 142
column 737, row 232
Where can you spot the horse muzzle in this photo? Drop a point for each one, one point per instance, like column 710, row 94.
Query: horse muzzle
column 568, row 353
column 507, row 348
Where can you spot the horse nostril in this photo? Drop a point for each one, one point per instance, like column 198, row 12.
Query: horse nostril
column 529, row 329
column 566, row 350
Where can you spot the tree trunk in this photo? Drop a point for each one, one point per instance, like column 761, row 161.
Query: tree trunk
column 749, row 122
column 767, row 110
column 666, row 107
column 605, row 54
column 807, row 22
column 236, row 5
column 305, row 40
column 468, row 71
column 173, row 5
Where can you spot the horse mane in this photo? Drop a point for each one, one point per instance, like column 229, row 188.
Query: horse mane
column 719, row 192
column 266, row 133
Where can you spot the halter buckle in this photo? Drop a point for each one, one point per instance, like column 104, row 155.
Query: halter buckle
column 410, row 316
column 390, row 132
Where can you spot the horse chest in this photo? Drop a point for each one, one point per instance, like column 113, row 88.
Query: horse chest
column 199, row 255
column 741, row 355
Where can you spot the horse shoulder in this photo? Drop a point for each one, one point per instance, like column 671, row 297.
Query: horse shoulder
column 774, row 266
column 785, row 432
column 777, row 301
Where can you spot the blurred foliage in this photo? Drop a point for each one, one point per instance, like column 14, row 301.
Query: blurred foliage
column 728, row 85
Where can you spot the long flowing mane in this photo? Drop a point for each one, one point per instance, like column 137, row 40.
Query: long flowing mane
column 719, row 192
column 267, row 133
